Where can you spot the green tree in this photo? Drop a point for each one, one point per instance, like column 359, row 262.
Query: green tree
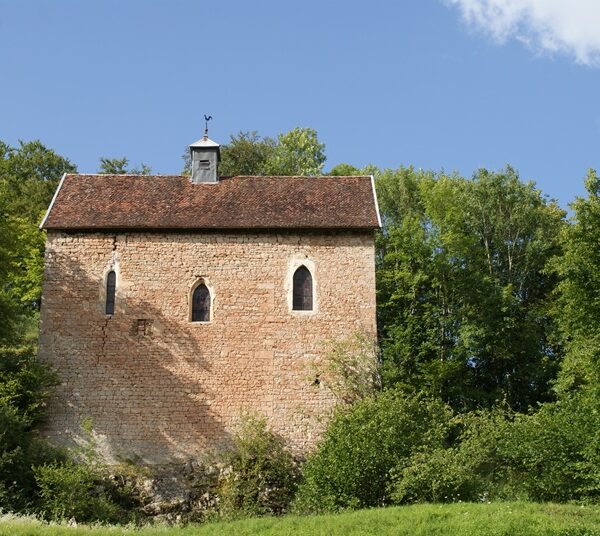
column 555, row 452
column 8, row 309
column 342, row 170
column 31, row 173
column 464, row 295
column 578, row 310
column 363, row 443
column 297, row 152
column 24, row 387
column 29, row 176
column 120, row 166
column 246, row 154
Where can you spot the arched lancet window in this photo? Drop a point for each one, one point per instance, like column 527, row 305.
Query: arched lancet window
column 201, row 304
column 303, row 290
column 111, row 286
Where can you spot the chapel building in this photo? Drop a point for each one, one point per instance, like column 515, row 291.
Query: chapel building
column 173, row 304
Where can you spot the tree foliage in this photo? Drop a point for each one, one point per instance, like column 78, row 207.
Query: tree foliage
column 8, row 309
column 120, row 166
column 551, row 454
column 246, row 154
column 31, row 172
column 578, row 308
column 297, row 152
column 262, row 476
column 464, row 297
column 470, row 467
column 344, row 170
column 350, row 368
column 24, row 387
column 29, row 175
column 70, row 490
column 554, row 453
column 351, row 467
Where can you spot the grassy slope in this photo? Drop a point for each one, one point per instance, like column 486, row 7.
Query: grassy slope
column 497, row 519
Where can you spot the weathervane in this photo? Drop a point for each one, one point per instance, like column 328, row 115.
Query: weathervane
column 207, row 118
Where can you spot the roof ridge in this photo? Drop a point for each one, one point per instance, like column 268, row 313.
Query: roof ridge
column 124, row 175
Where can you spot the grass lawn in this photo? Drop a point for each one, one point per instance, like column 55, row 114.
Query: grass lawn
column 497, row 519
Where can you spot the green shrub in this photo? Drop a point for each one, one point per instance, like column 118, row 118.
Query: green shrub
column 552, row 454
column 555, row 452
column 75, row 490
column 82, row 487
column 350, row 368
column 261, row 475
column 13, row 460
column 24, row 385
column 351, row 467
column 469, row 469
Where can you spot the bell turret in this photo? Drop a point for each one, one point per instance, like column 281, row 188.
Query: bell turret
column 205, row 155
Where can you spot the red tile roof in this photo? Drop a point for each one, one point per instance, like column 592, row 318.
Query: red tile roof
column 172, row 202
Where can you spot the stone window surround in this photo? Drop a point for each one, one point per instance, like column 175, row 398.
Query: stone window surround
column 112, row 267
column 202, row 280
column 293, row 265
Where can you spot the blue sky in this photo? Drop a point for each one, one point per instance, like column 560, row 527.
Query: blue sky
column 454, row 84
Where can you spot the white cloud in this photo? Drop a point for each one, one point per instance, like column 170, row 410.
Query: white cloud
column 570, row 27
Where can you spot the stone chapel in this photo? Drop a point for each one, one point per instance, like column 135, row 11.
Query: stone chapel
column 172, row 304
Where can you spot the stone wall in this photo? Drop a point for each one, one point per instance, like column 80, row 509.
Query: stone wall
column 159, row 388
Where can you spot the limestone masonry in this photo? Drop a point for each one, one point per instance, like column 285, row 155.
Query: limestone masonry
column 173, row 305
column 160, row 388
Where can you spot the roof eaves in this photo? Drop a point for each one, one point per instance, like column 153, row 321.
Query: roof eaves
column 140, row 229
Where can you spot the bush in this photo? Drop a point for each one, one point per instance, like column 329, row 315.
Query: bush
column 470, row 469
column 261, row 474
column 351, row 468
column 90, row 493
column 24, row 385
column 350, row 368
column 14, row 481
column 555, row 452
column 75, row 490
column 552, row 454
column 82, row 487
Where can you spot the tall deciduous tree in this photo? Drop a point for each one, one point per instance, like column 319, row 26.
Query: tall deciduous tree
column 297, row 152
column 344, row 170
column 464, row 294
column 7, row 245
column 120, row 166
column 31, row 172
column 246, row 154
column 29, row 175
column 578, row 311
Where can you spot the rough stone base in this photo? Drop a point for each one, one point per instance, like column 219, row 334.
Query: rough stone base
column 176, row 493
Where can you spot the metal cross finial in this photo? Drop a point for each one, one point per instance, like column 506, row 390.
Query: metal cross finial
column 207, row 118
